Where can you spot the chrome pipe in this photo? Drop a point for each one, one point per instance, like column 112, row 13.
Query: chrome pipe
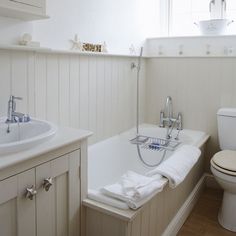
column 137, row 98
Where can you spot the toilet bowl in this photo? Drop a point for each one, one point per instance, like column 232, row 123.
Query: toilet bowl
column 223, row 166
column 225, row 175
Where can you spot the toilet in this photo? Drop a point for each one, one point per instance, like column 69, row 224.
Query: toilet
column 223, row 166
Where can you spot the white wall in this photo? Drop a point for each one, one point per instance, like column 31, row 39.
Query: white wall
column 95, row 93
column 119, row 23
column 198, row 86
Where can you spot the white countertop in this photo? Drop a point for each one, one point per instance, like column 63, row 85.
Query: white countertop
column 63, row 137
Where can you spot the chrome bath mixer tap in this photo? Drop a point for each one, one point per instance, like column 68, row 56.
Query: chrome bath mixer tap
column 168, row 120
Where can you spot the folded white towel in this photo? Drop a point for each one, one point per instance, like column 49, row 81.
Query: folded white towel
column 135, row 189
column 138, row 186
column 177, row 166
column 100, row 197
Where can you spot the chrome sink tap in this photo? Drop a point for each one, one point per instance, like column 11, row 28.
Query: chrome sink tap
column 169, row 121
column 12, row 115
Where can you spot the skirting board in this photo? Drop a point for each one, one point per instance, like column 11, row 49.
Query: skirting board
column 179, row 219
column 211, row 182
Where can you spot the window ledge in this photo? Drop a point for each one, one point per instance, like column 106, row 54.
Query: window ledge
column 192, row 46
column 193, row 37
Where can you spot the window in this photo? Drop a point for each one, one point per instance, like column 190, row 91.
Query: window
column 177, row 17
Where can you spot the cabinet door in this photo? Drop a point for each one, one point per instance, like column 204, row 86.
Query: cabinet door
column 58, row 209
column 17, row 214
column 34, row 3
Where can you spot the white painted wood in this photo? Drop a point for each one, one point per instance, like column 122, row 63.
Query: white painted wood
column 108, row 97
column 23, row 9
column 198, row 86
column 36, row 3
column 183, row 213
column 40, row 86
column 5, row 80
column 58, row 210
column 64, row 87
column 84, row 93
column 95, row 93
column 74, row 194
column 100, row 98
column 8, row 189
column 26, row 212
column 74, row 88
column 93, row 98
column 52, row 85
column 17, row 214
column 61, row 51
column 8, row 223
column 83, row 183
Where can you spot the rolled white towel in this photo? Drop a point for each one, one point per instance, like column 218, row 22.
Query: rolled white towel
column 178, row 165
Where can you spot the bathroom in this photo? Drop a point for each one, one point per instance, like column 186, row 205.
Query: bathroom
column 99, row 94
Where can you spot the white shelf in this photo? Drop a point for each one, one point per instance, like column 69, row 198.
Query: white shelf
column 60, row 51
column 71, row 52
column 194, row 56
column 24, row 48
column 192, row 37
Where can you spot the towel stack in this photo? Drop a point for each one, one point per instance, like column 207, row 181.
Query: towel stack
column 136, row 189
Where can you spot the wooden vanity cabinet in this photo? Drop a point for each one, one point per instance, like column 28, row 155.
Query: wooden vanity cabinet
column 56, row 207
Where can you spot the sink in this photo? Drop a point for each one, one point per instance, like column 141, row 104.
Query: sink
column 24, row 136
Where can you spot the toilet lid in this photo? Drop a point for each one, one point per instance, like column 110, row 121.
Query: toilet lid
column 226, row 160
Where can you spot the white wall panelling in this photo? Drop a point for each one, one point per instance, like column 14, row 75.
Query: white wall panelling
column 199, row 87
column 90, row 92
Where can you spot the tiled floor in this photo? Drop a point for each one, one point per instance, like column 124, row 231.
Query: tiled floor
column 203, row 219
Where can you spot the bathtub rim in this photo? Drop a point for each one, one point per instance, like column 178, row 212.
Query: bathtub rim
column 127, row 215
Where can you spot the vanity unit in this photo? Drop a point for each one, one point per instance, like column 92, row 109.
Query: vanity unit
column 41, row 188
column 24, row 9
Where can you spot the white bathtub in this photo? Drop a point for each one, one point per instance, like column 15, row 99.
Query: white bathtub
column 110, row 159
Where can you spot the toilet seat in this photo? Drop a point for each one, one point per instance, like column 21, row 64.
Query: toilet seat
column 225, row 162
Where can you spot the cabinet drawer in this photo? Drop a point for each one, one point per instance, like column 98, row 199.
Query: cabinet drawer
column 33, row 3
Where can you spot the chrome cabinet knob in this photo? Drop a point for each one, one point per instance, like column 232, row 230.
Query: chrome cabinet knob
column 30, row 193
column 47, row 183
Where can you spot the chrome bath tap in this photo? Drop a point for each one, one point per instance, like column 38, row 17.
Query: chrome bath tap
column 168, row 120
column 12, row 115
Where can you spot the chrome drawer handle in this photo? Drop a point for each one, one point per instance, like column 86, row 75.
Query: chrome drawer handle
column 30, row 193
column 47, row 183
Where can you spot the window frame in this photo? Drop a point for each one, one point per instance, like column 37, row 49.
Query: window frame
column 166, row 15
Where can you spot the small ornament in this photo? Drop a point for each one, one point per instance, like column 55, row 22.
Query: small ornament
column 181, row 50
column 208, row 49
column 228, row 51
column 104, row 48
column 25, row 39
column 132, row 50
column 76, row 45
column 160, row 50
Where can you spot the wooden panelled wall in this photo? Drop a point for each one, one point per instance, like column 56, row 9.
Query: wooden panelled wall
column 89, row 92
column 198, row 86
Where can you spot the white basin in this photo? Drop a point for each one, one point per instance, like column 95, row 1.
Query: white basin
column 24, row 136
